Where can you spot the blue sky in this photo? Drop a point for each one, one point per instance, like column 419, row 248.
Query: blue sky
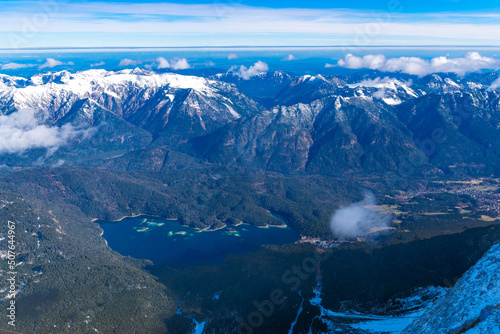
column 408, row 6
column 58, row 23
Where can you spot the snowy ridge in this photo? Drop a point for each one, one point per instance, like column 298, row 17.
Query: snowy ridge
column 318, row 80
column 471, row 306
column 352, row 322
column 81, row 82
column 150, row 100
column 389, row 90
column 386, row 83
column 53, row 91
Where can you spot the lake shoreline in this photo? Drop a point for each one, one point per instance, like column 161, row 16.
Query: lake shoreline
column 170, row 242
column 198, row 229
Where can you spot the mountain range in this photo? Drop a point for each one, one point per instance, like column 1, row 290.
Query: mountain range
column 356, row 123
column 216, row 150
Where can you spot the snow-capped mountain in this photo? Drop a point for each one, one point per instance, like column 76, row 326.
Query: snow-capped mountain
column 334, row 125
column 389, row 90
column 146, row 99
column 306, row 89
column 357, row 123
column 472, row 306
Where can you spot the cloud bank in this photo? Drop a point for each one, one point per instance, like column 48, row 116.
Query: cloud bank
column 358, row 219
column 257, row 68
column 21, row 131
column 49, row 63
column 154, row 23
column 471, row 62
column 16, row 66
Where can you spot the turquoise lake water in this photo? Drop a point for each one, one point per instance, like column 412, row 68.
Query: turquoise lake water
column 168, row 242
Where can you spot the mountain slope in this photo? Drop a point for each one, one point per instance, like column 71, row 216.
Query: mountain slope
column 456, row 130
column 119, row 111
column 471, row 306
column 144, row 98
column 328, row 136
column 356, row 124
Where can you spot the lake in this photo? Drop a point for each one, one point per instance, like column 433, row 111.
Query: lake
column 168, row 242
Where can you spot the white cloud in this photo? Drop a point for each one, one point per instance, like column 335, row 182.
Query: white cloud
column 209, row 63
column 51, row 62
column 370, row 61
column 257, row 68
column 180, row 64
column 16, row 66
column 129, row 62
column 359, row 219
column 145, row 22
column 494, row 85
column 471, row 62
column 101, row 63
column 232, row 56
column 162, row 63
column 21, row 131
column 379, row 94
column 290, row 57
column 59, row 163
column 327, row 65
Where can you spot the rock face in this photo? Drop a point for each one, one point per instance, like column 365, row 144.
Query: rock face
column 471, row 306
column 329, row 135
column 456, row 130
column 334, row 125
column 126, row 110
